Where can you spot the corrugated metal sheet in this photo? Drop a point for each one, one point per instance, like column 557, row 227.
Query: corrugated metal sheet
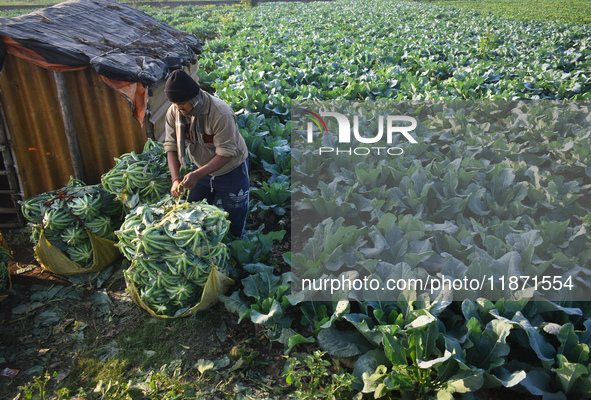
column 103, row 119
column 10, row 193
column 158, row 103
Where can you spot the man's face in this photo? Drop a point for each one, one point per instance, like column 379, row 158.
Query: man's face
column 184, row 108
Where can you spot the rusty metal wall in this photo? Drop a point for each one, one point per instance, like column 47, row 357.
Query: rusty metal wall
column 103, row 119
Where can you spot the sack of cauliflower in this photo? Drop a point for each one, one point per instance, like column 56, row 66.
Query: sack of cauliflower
column 73, row 227
column 177, row 256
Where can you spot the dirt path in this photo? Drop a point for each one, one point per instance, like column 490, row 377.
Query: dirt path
column 83, row 324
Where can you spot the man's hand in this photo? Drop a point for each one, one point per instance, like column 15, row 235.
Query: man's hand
column 177, row 188
column 191, row 179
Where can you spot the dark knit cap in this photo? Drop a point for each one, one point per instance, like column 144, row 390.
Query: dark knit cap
column 180, row 87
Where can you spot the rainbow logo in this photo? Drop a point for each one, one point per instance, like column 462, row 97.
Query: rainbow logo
column 318, row 120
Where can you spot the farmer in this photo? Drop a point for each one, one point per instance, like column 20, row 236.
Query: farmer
column 207, row 126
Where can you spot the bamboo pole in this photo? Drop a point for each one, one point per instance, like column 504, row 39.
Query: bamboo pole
column 69, row 126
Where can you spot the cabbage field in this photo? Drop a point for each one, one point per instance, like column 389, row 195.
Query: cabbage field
column 499, row 182
column 490, row 189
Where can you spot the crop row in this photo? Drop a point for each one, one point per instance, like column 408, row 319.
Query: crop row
column 495, row 183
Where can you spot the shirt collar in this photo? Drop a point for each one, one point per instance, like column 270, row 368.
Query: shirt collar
column 197, row 103
column 202, row 104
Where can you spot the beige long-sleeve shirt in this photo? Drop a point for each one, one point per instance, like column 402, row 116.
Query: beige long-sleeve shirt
column 212, row 130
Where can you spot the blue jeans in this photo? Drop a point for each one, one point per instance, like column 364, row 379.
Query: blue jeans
column 232, row 189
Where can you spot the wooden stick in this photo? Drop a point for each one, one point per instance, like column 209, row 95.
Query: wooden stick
column 69, row 126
